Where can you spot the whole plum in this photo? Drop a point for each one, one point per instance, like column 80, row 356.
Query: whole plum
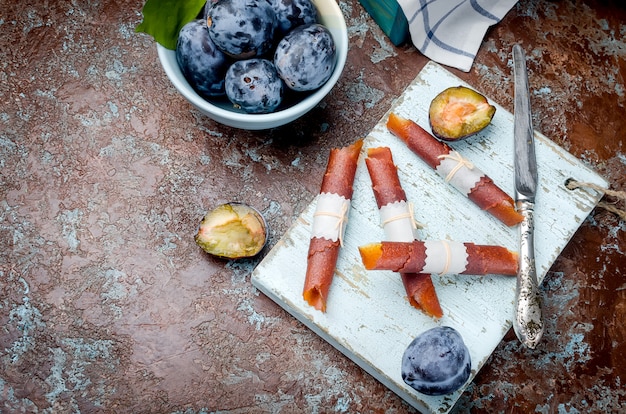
column 293, row 13
column 242, row 29
column 305, row 57
column 437, row 362
column 202, row 64
column 254, row 85
column 207, row 8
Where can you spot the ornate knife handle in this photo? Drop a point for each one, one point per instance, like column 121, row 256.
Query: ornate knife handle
column 528, row 323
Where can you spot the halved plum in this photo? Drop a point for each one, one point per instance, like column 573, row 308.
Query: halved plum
column 232, row 231
column 459, row 112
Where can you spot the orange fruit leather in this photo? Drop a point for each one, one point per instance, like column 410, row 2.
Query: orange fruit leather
column 323, row 254
column 486, row 194
column 371, row 254
column 422, row 294
column 491, row 198
column 496, row 260
column 388, row 189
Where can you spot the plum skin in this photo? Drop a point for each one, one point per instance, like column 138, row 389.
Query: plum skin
column 254, row 85
column 267, row 22
column 305, row 58
column 201, row 63
column 242, row 29
column 293, row 13
column 436, row 362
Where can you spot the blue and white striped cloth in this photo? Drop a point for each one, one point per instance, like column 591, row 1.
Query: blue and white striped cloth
column 450, row 31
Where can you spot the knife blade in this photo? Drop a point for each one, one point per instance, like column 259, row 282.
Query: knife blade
column 528, row 320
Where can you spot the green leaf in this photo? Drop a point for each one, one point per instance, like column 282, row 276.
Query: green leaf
column 163, row 19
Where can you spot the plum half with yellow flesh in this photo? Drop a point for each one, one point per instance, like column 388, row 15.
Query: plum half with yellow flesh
column 232, row 231
column 459, row 112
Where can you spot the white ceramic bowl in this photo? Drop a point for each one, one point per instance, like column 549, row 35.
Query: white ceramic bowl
column 223, row 112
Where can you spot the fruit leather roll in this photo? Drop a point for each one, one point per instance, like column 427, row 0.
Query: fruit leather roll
column 456, row 170
column 439, row 256
column 399, row 225
column 329, row 221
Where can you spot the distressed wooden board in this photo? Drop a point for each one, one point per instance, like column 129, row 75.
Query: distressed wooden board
column 368, row 316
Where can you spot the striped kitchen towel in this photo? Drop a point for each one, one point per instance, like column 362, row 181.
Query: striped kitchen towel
column 451, row 31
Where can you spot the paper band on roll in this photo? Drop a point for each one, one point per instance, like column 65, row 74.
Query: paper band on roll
column 445, row 257
column 459, row 172
column 398, row 222
column 330, row 217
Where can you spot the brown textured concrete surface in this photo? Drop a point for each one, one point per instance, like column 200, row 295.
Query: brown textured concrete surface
column 107, row 304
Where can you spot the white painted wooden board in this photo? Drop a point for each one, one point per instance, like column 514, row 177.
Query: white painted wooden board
column 368, row 316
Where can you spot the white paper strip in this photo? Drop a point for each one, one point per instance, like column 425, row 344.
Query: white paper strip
column 444, row 257
column 331, row 216
column 459, row 172
column 397, row 221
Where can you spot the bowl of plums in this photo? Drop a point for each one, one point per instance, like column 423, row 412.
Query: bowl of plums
column 258, row 64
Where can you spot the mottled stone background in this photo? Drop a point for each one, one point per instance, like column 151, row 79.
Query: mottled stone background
column 107, row 304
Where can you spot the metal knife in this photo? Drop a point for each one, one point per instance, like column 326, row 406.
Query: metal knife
column 528, row 322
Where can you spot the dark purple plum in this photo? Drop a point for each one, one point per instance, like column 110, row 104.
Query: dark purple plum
column 242, row 29
column 254, row 85
column 202, row 64
column 207, row 7
column 293, row 13
column 305, row 58
column 437, row 362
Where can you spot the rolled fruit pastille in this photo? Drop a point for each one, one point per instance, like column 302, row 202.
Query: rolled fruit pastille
column 455, row 169
column 329, row 221
column 390, row 196
column 439, row 256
